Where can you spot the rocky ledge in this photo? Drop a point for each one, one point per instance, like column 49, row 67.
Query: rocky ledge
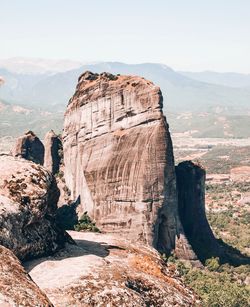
column 105, row 270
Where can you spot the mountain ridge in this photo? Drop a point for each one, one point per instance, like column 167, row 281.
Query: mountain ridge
column 216, row 110
column 230, row 79
column 52, row 91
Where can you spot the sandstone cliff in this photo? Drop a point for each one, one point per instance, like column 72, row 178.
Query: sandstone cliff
column 29, row 147
column 28, row 202
column 118, row 157
column 16, row 286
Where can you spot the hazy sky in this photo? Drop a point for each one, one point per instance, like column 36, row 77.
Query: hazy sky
column 185, row 34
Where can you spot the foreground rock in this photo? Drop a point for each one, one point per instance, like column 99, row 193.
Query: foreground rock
column 28, row 203
column 16, row 286
column 118, row 157
column 29, row 147
column 53, row 152
column 104, row 270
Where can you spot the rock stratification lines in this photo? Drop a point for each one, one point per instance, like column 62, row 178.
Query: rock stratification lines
column 118, row 157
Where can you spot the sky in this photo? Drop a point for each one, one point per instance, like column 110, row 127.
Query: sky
column 191, row 35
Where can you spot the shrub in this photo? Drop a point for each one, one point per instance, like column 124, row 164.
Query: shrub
column 212, row 264
column 224, row 289
column 216, row 289
column 85, row 224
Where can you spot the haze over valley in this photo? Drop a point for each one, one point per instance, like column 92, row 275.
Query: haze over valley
column 39, row 90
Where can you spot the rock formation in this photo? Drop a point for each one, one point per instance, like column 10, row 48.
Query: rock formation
column 16, row 286
column 119, row 166
column 105, row 270
column 53, row 161
column 191, row 198
column 29, row 147
column 28, row 202
column 118, row 157
column 53, row 152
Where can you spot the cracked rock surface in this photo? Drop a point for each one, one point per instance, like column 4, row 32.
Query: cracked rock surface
column 28, row 202
column 16, row 286
column 105, row 270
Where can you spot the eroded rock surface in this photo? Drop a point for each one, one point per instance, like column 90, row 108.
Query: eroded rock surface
column 29, row 147
column 16, row 286
column 28, row 202
column 53, row 152
column 104, row 270
column 191, row 197
column 118, row 157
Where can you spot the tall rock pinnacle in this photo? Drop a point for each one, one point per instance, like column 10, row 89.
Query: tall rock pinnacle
column 191, row 198
column 29, row 147
column 119, row 158
column 53, row 146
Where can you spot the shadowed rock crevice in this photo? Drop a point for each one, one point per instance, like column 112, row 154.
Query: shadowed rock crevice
column 66, row 215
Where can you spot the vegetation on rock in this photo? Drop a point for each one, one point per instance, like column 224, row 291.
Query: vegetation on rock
column 217, row 285
column 86, row 224
column 229, row 213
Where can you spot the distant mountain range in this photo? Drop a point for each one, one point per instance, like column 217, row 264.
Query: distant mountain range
column 229, row 79
column 35, row 66
column 182, row 91
column 15, row 120
column 221, row 101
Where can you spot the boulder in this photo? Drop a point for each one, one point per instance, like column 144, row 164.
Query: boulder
column 29, row 147
column 118, row 158
column 16, row 286
column 28, row 204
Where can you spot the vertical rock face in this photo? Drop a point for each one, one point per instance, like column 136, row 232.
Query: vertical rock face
column 28, row 203
column 191, row 198
column 53, row 147
column 118, row 157
column 30, row 148
column 16, row 286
